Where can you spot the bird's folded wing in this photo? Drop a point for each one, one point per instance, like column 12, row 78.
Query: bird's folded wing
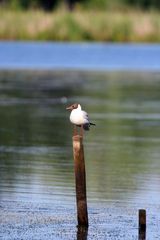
column 85, row 115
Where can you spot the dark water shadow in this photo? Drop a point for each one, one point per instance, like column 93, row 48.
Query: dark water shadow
column 82, row 233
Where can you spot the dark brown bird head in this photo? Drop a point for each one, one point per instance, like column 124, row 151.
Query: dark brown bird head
column 73, row 106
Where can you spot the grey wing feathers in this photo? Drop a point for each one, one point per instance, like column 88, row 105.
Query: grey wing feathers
column 85, row 115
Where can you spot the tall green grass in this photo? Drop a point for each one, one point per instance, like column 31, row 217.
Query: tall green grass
column 80, row 26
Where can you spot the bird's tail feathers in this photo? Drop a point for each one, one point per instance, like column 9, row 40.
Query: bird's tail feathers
column 87, row 126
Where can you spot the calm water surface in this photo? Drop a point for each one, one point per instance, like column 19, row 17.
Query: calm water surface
column 95, row 56
column 122, row 152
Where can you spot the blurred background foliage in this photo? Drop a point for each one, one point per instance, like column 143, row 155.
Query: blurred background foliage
column 49, row 5
column 80, row 20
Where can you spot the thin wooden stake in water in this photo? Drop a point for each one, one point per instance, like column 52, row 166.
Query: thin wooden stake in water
column 80, row 179
column 142, row 224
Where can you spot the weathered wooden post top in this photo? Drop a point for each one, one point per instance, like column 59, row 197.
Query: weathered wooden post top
column 80, row 119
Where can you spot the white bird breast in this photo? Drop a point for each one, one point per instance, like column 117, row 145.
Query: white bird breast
column 79, row 117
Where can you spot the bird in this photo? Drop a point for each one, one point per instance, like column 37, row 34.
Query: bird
column 79, row 118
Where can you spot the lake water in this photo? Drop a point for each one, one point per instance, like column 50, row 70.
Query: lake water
column 95, row 56
column 37, row 191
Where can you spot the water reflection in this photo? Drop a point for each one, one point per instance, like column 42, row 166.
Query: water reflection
column 82, row 233
column 142, row 235
column 122, row 152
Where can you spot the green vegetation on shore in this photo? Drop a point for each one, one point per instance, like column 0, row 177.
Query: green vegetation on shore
column 61, row 25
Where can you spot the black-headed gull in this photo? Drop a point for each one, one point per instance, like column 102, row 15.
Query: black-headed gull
column 79, row 118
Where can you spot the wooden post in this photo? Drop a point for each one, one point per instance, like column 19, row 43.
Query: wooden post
column 142, row 224
column 80, row 180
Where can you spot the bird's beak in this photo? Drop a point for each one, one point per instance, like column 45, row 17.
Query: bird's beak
column 69, row 108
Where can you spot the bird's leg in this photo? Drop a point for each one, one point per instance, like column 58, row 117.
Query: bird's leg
column 81, row 131
column 74, row 130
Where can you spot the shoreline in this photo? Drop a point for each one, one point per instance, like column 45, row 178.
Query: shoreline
column 90, row 26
